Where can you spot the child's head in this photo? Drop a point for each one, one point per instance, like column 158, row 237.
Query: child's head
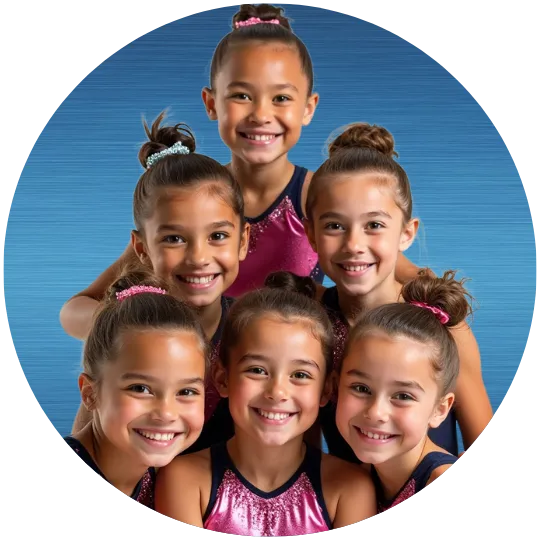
column 400, row 369
column 143, row 371
column 188, row 211
column 359, row 210
column 261, row 85
column 276, row 353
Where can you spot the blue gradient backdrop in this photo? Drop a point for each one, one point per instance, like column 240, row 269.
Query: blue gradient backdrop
column 71, row 214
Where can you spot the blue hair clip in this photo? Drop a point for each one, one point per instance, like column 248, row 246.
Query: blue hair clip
column 176, row 148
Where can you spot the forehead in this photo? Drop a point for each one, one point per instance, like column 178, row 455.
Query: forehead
column 389, row 358
column 260, row 64
column 193, row 205
column 280, row 340
column 167, row 354
column 357, row 194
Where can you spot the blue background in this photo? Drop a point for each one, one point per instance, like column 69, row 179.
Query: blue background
column 71, row 214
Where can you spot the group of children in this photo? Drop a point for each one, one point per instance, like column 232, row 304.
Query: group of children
column 214, row 359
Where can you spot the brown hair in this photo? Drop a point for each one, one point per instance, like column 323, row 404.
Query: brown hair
column 281, row 33
column 141, row 312
column 420, row 324
column 179, row 170
column 286, row 296
column 363, row 148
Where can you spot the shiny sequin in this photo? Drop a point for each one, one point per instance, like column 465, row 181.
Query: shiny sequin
column 408, row 491
column 146, row 492
column 277, row 242
column 238, row 510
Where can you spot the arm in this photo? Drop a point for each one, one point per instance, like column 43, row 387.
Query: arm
column 357, row 499
column 473, row 409
column 405, row 269
column 178, row 489
column 77, row 313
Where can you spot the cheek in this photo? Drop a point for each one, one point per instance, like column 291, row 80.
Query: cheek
column 347, row 407
column 119, row 409
column 193, row 414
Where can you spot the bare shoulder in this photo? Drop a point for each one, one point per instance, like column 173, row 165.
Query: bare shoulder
column 335, row 471
column 194, row 470
column 437, row 472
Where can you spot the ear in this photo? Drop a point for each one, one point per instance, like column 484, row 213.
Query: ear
column 310, row 233
column 309, row 111
column 209, row 102
column 139, row 247
column 87, row 387
column 244, row 242
column 220, row 379
column 441, row 410
column 330, row 387
column 408, row 234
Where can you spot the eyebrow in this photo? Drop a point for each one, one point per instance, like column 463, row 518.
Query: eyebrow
column 215, row 225
column 150, row 378
column 337, row 215
column 284, row 86
column 406, row 384
column 262, row 358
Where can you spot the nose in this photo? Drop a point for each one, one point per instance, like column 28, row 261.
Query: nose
column 197, row 253
column 165, row 410
column 276, row 389
column 377, row 410
column 260, row 112
column 355, row 241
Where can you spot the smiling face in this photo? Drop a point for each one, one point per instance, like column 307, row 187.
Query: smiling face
column 195, row 239
column 275, row 385
column 261, row 101
column 388, row 397
column 357, row 230
column 149, row 401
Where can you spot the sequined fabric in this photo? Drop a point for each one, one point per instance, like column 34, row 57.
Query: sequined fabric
column 277, row 242
column 238, row 510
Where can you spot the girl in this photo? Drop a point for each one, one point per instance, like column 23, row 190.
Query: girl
column 190, row 232
column 359, row 209
column 143, row 384
column 265, row 481
column 397, row 381
column 261, row 94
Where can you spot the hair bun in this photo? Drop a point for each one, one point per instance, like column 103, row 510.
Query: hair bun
column 265, row 12
column 163, row 137
column 444, row 292
column 363, row 135
column 291, row 282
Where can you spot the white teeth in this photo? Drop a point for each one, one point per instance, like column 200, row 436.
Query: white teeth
column 157, row 436
column 273, row 416
column 260, row 137
column 375, row 436
column 356, row 268
column 205, row 279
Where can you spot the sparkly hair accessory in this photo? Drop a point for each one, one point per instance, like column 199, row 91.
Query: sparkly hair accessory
column 176, row 148
column 254, row 20
column 439, row 313
column 138, row 289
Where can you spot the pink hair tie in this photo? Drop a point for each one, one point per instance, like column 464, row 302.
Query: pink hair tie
column 138, row 289
column 254, row 20
column 439, row 313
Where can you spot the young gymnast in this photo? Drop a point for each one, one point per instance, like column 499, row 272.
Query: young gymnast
column 276, row 355
column 359, row 209
column 142, row 383
column 397, row 381
column 190, row 231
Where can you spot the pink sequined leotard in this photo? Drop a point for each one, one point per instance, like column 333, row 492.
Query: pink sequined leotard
column 144, row 490
column 416, row 482
column 237, row 507
column 278, row 241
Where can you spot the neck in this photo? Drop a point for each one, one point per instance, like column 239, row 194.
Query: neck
column 209, row 317
column 353, row 306
column 266, row 467
column 261, row 178
column 119, row 469
column 395, row 472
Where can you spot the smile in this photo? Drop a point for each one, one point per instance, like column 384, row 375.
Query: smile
column 198, row 279
column 259, row 137
column 274, row 415
column 375, row 436
column 156, row 436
